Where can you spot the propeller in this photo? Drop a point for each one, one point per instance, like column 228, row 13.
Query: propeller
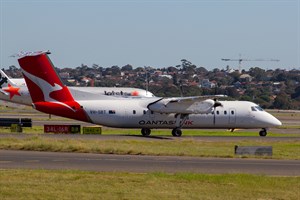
column 217, row 103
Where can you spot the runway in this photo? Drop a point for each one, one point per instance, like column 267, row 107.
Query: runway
column 142, row 164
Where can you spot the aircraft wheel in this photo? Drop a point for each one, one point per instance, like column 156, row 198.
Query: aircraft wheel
column 263, row 132
column 146, row 131
column 176, row 132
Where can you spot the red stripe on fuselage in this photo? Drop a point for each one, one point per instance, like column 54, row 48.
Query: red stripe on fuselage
column 76, row 112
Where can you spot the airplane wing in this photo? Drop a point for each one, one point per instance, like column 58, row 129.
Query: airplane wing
column 4, row 79
column 3, row 92
column 186, row 105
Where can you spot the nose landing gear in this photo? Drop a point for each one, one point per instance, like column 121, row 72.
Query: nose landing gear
column 263, row 132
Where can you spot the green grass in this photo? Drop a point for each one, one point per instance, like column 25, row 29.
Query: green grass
column 183, row 147
column 195, row 132
column 166, row 132
column 47, row 184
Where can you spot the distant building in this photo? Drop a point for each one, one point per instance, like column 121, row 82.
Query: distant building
column 245, row 78
column 64, row 75
column 166, row 76
column 207, row 84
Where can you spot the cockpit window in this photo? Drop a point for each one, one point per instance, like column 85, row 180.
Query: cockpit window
column 253, row 108
column 256, row 108
column 259, row 108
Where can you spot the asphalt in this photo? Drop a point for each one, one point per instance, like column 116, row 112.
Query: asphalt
column 142, row 164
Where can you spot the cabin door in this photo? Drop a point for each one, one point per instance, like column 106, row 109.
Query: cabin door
column 232, row 116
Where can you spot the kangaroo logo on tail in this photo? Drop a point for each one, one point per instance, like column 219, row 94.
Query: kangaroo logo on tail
column 46, row 88
column 47, row 91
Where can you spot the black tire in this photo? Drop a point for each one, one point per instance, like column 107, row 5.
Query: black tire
column 263, row 133
column 176, row 132
column 146, row 131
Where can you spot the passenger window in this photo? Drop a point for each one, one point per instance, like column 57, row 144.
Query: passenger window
column 134, row 112
column 218, row 112
column 232, row 112
column 144, row 112
column 111, row 112
column 225, row 112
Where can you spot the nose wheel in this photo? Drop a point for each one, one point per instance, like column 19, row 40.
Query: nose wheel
column 263, row 132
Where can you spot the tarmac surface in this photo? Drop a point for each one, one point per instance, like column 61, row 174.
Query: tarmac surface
column 141, row 164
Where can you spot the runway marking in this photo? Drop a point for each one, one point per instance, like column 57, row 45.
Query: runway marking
column 60, row 160
column 31, row 161
column 5, row 161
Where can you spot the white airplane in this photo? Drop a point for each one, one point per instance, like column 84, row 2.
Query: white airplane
column 49, row 95
column 16, row 91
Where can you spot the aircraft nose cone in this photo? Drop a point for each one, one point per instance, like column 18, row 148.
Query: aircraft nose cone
column 273, row 121
column 267, row 120
column 277, row 122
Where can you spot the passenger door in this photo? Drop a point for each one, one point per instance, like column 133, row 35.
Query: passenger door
column 232, row 116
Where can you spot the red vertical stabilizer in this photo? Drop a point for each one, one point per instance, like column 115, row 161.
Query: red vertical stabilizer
column 47, row 91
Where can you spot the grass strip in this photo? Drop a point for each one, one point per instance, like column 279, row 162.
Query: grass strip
column 165, row 132
column 47, row 184
column 185, row 147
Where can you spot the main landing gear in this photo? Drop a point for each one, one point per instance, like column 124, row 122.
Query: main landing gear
column 176, row 132
column 263, row 132
column 180, row 120
column 146, row 131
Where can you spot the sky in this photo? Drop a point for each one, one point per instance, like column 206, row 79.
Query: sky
column 157, row 33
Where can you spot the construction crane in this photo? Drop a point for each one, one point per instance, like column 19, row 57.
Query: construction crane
column 245, row 59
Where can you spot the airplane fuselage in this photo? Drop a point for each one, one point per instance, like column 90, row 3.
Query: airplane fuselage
column 135, row 114
column 22, row 96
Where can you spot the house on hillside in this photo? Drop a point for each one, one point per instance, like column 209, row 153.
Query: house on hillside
column 246, row 78
column 205, row 83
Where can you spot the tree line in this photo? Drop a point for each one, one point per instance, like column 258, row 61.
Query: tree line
column 274, row 89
